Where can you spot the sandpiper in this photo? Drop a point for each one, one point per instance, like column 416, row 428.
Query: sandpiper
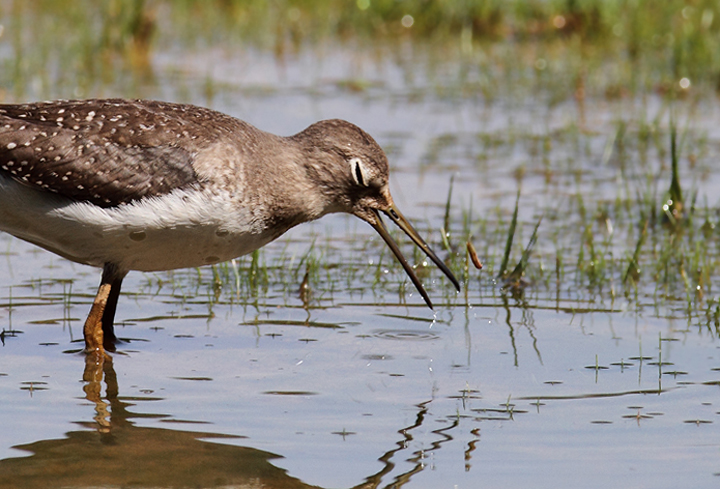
column 144, row 185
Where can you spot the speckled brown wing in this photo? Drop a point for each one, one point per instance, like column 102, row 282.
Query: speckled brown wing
column 108, row 152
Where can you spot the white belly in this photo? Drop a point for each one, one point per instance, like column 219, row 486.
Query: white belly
column 179, row 230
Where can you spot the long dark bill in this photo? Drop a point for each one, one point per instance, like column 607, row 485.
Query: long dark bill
column 403, row 224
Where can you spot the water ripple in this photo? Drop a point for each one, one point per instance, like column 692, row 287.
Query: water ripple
column 405, row 334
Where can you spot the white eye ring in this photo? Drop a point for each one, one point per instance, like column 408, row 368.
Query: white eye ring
column 358, row 172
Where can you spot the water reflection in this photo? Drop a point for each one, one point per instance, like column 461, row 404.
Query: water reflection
column 527, row 321
column 417, row 459
column 113, row 451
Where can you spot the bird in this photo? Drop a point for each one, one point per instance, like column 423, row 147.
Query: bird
column 142, row 185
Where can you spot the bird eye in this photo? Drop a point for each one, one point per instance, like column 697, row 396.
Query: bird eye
column 357, row 170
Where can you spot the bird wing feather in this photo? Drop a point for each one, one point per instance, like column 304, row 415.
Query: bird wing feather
column 108, row 152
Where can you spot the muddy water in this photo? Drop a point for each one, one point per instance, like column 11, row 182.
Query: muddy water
column 245, row 386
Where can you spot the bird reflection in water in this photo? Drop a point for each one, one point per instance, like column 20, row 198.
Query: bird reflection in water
column 112, row 451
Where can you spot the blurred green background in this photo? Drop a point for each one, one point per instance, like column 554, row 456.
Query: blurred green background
column 570, row 48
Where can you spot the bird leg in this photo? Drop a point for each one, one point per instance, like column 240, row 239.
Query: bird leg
column 108, row 316
column 99, row 332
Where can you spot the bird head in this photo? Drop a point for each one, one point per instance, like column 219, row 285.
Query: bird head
column 354, row 172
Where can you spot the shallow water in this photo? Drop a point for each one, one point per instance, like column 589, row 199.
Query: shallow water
column 244, row 386
column 480, row 395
